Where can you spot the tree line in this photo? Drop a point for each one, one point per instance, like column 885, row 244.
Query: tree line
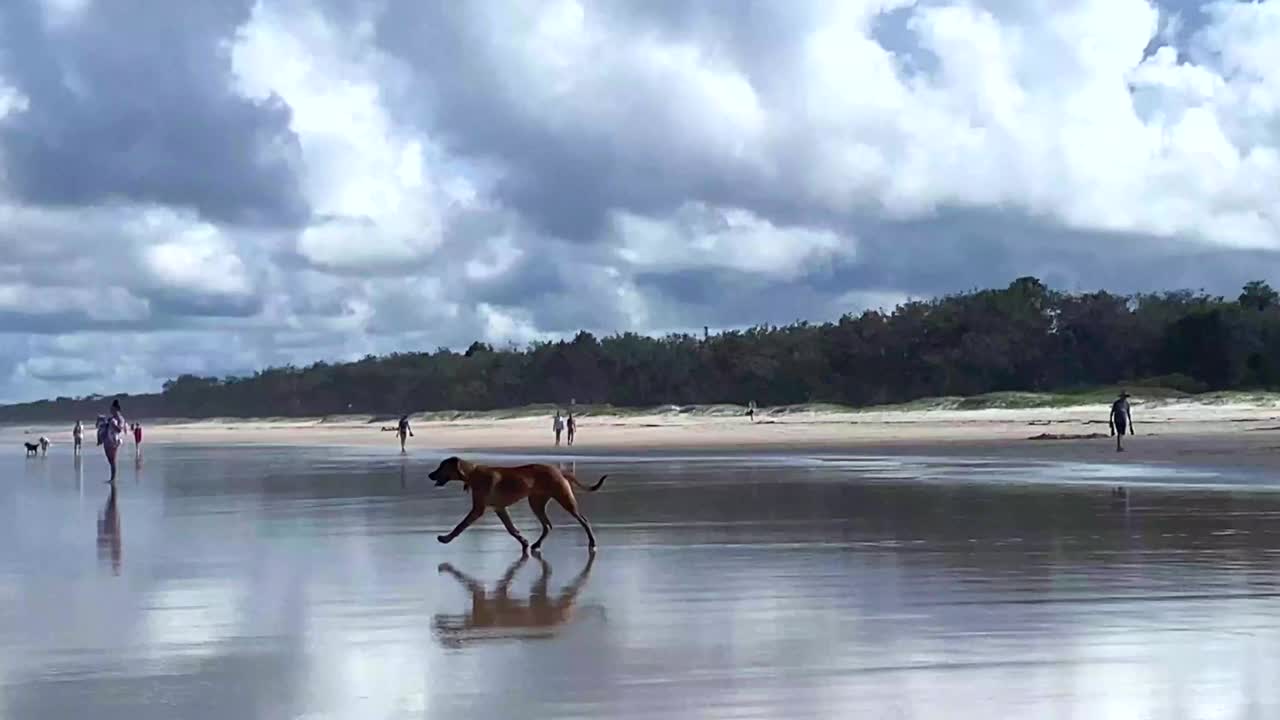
column 1025, row 337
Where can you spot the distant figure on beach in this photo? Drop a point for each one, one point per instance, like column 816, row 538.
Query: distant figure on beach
column 751, row 410
column 44, row 446
column 1120, row 419
column 557, row 425
column 572, row 427
column 1120, row 499
column 77, row 436
column 137, row 439
column 403, row 430
column 110, row 429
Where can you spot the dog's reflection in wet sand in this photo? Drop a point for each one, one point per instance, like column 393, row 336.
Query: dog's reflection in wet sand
column 498, row 616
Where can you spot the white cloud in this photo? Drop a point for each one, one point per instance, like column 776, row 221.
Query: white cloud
column 11, row 100
column 498, row 255
column 572, row 68
column 707, row 237
column 377, row 204
column 198, row 259
column 56, row 369
column 502, row 326
column 61, row 13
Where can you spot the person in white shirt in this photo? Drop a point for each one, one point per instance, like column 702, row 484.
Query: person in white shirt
column 77, row 436
column 109, row 435
column 557, row 425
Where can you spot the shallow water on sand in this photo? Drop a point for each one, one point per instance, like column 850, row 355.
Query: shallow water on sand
column 301, row 583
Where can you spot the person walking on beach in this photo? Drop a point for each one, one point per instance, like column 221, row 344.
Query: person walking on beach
column 110, row 429
column 751, row 410
column 557, row 425
column 137, row 439
column 403, row 430
column 77, row 436
column 1120, row 419
column 572, row 427
column 44, row 446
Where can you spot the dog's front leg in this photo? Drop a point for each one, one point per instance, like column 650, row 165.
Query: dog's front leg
column 476, row 512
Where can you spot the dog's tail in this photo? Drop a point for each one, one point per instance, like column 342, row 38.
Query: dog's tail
column 593, row 488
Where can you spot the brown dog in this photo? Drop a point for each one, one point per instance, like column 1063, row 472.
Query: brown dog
column 501, row 487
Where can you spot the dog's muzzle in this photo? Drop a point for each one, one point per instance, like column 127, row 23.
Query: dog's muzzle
column 440, row 481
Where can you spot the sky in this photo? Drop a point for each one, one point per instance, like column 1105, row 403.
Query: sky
column 215, row 186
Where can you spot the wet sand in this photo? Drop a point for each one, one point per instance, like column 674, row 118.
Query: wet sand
column 306, row 582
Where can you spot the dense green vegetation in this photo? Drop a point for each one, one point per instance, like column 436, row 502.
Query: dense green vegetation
column 1024, row 338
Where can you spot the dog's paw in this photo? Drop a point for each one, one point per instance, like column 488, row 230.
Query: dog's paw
column 444, row 539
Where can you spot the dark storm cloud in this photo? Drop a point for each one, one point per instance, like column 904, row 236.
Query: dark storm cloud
column 63, row 322
column 133, row 102
column 727, row 299
column 180, row 304
column 563, row 181
column 963, row 250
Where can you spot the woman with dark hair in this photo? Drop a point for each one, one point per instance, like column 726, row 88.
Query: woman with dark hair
column 109, row 432
column 403, row 430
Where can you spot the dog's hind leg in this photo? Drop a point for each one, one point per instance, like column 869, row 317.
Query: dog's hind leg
column 569, row 595
column 503, row 588
column 539, row 506
column 505, row 517
column 570, row 504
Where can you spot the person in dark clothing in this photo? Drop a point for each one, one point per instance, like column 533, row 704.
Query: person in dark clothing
column 403, row 430
column 1121, row 418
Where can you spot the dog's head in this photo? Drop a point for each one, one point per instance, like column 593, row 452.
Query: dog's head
column 452, row 468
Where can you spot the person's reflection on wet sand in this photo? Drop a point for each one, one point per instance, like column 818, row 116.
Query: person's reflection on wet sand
column 109, row 532
column 498, row 616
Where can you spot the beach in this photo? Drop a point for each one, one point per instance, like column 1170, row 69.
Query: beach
column 1235, row 433
column 911, row 564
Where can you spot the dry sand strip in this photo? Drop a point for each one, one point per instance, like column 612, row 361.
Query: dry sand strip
column 1178, row 433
